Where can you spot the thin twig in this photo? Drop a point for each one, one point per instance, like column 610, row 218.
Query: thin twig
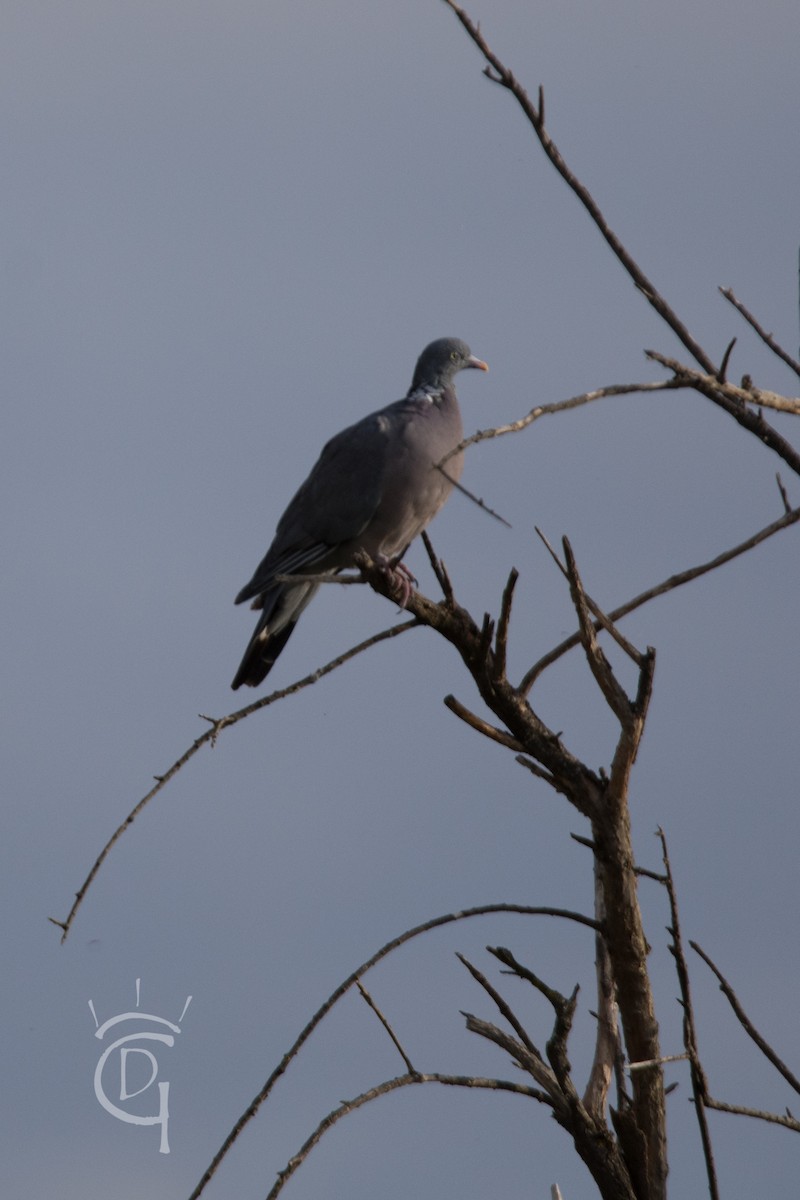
column 564, row 1009
column 471, row 496
column 502, row 1006
column 551, row 994
column 723, row 366
column 788, row 1121
column 745, row 1022
column 547, row 410
column 615, row 696
column 649, row 1064
column 698, row 1077
column 784, row 494
column 602, row 620
column 383, row 1089
column 766, row 338
column 660, row 589
column 368, row 998
column 538, row 771
column 536, row 1067
column 498, row 73
column 480, row 726
column 439, row 570
column 501, row 637
column 209, row 738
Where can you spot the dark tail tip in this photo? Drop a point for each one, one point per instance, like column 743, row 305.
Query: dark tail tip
column 260, row 657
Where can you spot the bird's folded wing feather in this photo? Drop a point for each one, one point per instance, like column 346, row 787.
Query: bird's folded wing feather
column 335, row 503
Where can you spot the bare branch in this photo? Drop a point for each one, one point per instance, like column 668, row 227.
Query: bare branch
column 474, row 645
column 604, row 677
column 590, row 1135
column 660, row 589
column 787, row 508
column 563, row 1007
column 538, row 771
column 532, row 1063
column 502, row 1006
column 383, row 1089
column 602, row 620
column 349, row 982
column 471, row 495
column 650, row 1063
column 688, row 377
column 209, row 738
column 439, row 570
column 737, row 403
column 745, row 1022
column 723, row 366
column 698, row 1077
column 480, row 726
column 552, row 995
column 393, row 1036
column 501, row 638
column 547, row 410
column 788, row 1121
column 767, row 338
column 500, row 74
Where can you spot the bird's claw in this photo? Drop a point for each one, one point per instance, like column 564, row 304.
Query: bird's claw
column 400, row 580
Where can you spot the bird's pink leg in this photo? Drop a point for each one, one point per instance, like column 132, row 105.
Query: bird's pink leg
column 400, row 578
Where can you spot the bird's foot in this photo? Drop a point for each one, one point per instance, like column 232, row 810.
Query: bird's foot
column 400, row 580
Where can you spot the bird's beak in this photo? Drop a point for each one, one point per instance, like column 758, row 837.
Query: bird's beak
column 478, row 363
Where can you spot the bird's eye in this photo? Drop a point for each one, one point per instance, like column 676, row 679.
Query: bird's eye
column 454, row 355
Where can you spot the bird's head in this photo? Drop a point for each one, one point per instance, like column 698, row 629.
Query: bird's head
column 440, row 361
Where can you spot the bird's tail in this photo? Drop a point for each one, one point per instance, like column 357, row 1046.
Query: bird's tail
column 281, row 612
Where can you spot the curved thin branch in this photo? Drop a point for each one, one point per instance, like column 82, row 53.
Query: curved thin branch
column 660, row 589
column 383, row 1089
column 698, row 1076
column 546, row 410
column 350, row 981
column 217, row 724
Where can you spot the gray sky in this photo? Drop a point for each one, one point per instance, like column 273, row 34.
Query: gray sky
column 227, row 231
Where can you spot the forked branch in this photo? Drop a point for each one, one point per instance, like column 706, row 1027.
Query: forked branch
column 354, row 980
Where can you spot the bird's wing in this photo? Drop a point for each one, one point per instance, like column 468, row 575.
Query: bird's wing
column 336, row 502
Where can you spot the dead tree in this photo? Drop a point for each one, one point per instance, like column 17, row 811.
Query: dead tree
column 616, row 1117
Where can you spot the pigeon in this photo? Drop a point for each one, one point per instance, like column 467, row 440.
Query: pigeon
column 374, row 488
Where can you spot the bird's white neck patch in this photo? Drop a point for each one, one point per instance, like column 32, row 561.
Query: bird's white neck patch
column 426, row 396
